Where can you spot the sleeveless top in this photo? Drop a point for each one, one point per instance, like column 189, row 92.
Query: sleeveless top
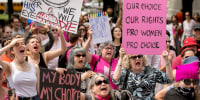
column 24, row 82
column 41, row 63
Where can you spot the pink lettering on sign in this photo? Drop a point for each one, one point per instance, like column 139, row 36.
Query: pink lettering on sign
column 144, row 29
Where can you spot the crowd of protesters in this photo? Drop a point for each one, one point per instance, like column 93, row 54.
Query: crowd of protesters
column 105, row 68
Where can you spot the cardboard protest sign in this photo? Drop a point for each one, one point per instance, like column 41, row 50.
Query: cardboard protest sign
column 55, row 86
column 56, row 13
column 99, row 23
column 144, row 26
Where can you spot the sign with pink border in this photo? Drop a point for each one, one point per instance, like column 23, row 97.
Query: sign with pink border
column 144, row 26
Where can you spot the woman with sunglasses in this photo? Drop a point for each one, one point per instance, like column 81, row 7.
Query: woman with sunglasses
column 77, row 61
column 186, row 83
column 99, row 89
column 22, row 76
column 104, row 62
column 140, row 79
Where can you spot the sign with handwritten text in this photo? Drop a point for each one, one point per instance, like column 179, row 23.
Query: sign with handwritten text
column 55, row 86
column 144, row 26
column 99, row 23
column 56, row 13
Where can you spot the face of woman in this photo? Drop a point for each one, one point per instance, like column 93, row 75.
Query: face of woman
column 187, row 15
column 107, row 52
column 101, row 87
column 34, row 45
column 188, row 54
column 196, row 16
column 188, row 83
column 117, row 33
column 19, row 49
column 82, row 30
column 173, row 19
column 79, row 60
column 7, row 32
column 54, row 32
column 136, row 62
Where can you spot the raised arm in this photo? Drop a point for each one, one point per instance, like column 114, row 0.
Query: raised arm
column 5, row 65
column 87, row 45
column 49, row 44
column 117, row 72
column 168, row 65
column 52, row 54
column 119, row 20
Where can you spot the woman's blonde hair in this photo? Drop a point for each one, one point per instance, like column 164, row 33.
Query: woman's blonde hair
column 126, row 61
column 91, row 84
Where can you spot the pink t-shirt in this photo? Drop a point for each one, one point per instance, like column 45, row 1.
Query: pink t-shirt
column 103, row 67
column 177, row 62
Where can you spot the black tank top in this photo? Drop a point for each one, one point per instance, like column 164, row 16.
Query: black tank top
column 41, row 63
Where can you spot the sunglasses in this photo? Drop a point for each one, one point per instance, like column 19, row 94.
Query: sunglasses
column 80, row 55
column 188, row 81
column 168, row 41
column 108, row 48
column 134, row 57
column 54, row 30
column 81, row 29
column 99, row 82
column 197, row 29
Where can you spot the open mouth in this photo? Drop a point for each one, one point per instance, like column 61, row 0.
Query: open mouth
column 35, row 47
column 108, row 53
column 80, row 61
column 138, row 63
column 104, row 89
column 21, row 51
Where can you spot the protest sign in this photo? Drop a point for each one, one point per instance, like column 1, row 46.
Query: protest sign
column 56, row 13
column 99, row 23
column 55, row 86
column 144, row 26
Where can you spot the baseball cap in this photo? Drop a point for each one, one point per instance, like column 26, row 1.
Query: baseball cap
column 189, row 42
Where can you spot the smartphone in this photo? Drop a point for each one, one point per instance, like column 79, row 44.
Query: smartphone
column 38, row 24
column 11, row 92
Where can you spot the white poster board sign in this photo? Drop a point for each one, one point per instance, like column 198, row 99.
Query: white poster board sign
column 56, row 13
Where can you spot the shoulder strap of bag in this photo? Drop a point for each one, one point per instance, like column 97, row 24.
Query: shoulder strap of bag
column 126, row 78
column 95, row 65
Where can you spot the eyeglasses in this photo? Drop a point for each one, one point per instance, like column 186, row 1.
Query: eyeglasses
column 196, row 29
column 80, row 55
column 81, row 29
column 134, row 57
column 168, row 41
column 108, row 48
column 54, row 30
column 99, row 82
column 188, row 81
column 8, row 32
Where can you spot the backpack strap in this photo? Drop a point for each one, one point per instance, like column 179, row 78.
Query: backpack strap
column 126, row 78
column 95, row 65
column 62, row 61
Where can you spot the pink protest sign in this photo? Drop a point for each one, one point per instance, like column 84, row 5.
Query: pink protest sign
column 144, row 26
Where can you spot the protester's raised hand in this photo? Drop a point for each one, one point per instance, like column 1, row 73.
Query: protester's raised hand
column 60, row 31
column 46, row 27
column 122, row 52
column 165, row 55
column 15, row 42
column 61, row 70
column 87, row 75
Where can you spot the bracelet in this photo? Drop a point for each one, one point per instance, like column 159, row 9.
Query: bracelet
column 167, row 64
